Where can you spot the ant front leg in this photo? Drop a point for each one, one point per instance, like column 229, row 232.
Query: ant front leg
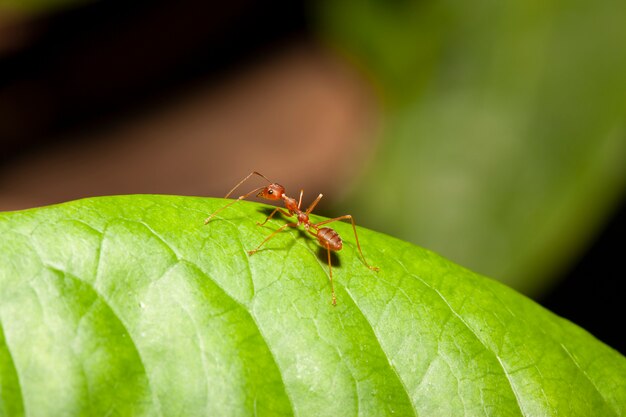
column 241, row 197
column 313, row 204
column 272, row 215
column 356, row 237
column 277, row 231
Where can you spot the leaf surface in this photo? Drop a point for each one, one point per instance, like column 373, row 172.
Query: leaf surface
column 132, row 306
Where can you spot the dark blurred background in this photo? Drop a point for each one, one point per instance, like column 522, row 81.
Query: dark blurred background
column 492, row 134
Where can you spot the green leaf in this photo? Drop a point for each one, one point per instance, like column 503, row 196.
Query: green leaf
column 132, row 306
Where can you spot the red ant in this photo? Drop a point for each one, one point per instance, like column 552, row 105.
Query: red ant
column 326, row 236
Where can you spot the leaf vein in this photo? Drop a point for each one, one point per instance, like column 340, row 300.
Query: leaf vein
column 472, row 331
column 12, row 365
column 117, row 316
column 389, row 361
column 573, row 359
column 257, row 327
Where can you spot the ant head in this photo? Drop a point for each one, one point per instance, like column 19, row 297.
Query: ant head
column 272, row 192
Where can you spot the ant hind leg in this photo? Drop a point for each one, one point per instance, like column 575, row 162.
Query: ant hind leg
column 330, row 275
column 356, row 237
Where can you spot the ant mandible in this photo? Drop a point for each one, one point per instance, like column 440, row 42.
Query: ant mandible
column 326, row 237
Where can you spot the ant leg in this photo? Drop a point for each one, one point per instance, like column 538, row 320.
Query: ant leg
column 313, row 231
column 280, row 229
column 208, row 219
column 272, row 215
column 330, row 274
column 300, row 200
column 314, row 203
column 356, row 237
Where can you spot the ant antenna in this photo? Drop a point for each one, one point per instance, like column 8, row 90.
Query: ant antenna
column 245, row 179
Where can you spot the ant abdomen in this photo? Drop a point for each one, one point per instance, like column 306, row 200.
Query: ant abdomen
column 330, row 239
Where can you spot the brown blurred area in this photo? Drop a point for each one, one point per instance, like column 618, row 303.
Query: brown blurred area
column 175, row 98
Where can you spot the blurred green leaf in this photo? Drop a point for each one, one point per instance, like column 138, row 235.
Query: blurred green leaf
column 504, row 145
column 131, row 306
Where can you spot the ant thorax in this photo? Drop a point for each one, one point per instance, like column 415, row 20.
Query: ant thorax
column 303, row 219
column 291, row 204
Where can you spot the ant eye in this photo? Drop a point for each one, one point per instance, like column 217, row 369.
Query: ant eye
column 270, row 192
